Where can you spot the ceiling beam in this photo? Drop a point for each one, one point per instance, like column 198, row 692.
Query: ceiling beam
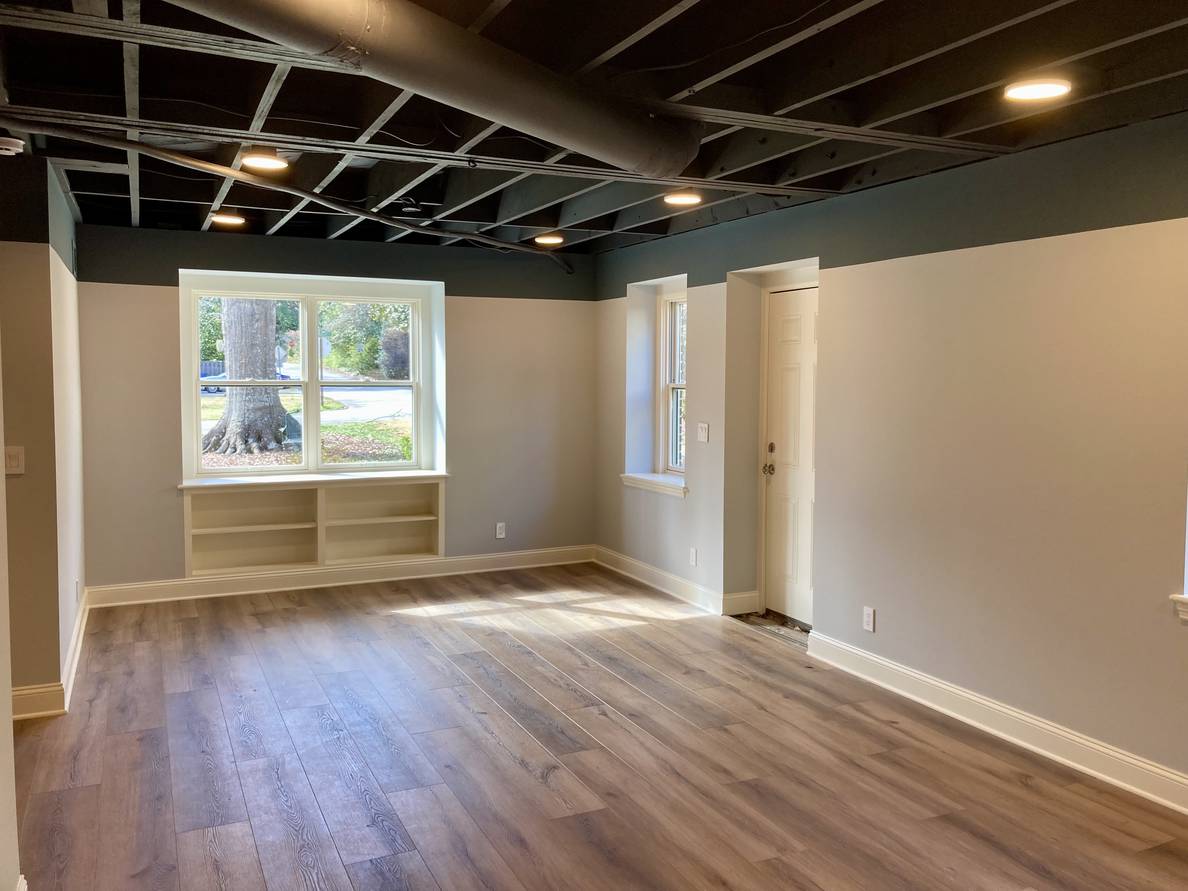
column 16, row 16
column 5, row 100
column 731, row 60
column 827, row 130
column 286, row 142
column 637, row 35
column 131, row 10
column 263, row 107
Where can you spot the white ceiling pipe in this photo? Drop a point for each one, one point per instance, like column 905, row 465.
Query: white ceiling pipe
column 402, row 44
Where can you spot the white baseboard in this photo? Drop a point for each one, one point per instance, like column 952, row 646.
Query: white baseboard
column 323, row 576
column 741, row 602
column 1102, row 760
column 38, row 701
column 70, row 668
column 678, row 587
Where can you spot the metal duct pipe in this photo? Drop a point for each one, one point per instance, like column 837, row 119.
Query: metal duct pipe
column 400, row 43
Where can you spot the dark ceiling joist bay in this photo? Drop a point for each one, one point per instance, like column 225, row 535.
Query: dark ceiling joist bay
column 799, row 101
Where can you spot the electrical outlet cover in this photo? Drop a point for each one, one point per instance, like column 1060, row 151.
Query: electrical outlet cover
column 868, row 618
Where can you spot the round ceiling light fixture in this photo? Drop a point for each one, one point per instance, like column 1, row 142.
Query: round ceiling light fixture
column 10, row 146
column 264, row 158
column 1038, row 88
column 223, row 218
column 550, row 240
column 682, row 199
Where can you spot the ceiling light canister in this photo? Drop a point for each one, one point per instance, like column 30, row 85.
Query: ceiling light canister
column 1038, row 88
column 264, row 158
column 222, row 218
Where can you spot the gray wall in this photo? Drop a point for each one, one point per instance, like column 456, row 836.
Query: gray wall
column 659, row 529
column 1002, row 451
column 519, row 381
column 9, row 854
column 27, row 350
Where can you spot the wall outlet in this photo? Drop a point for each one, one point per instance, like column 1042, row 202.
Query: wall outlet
column 501, row 530
column 702, row 432
column 692, row 556
column 14, row 459
column 868, row 618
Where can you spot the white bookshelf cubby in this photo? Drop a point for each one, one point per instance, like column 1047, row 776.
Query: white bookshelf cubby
column 255, row 524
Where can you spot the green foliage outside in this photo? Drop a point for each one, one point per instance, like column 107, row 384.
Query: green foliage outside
column 210, row 328
column 355, row 332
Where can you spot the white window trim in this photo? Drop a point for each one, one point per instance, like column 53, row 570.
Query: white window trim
column 428, row 375
column 664, row 483
column 664, row 386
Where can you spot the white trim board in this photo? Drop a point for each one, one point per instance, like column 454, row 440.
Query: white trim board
column 324, row 576
column 678, row 587
column 1098, row 759
column 70, row 668
column 742, row 602
column 38, row 701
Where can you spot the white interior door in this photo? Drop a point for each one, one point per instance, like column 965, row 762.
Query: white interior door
column 789, row 452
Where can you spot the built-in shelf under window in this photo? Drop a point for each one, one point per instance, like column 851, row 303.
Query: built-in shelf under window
column 237, row 528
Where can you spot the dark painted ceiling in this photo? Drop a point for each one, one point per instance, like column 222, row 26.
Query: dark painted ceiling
column 889, row 72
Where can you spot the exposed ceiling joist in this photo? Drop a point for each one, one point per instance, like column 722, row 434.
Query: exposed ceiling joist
column 17, row 16
column 706, row 74
column 131, row 52
column 263, row 107
column 969, row 70
column 623, row 44
column 731, row 60
column 166, row 129
column 485, row 18
column 829, row 131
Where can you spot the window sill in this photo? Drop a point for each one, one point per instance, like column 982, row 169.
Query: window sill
column 1181, row 604
column 665, row 483
column 295, row 480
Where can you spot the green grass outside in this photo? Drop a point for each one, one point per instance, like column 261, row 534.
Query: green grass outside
column 376, row 441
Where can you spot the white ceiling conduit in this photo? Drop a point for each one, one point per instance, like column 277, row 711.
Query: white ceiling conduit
column 400, row 43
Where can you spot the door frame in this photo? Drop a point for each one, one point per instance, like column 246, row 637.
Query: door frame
column 764, row 371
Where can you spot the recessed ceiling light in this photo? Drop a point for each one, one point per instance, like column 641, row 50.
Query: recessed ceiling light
column 264, row 158
column 551, row 238
column 227, row 219
column 1038, row 88
column 682, row 199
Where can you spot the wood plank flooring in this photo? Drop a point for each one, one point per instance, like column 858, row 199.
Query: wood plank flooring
column 560, row 728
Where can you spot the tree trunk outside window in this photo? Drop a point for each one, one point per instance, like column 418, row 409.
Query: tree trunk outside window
column 254, row 419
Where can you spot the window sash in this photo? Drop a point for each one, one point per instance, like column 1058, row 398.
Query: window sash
column 311, row 384
column 671, row 354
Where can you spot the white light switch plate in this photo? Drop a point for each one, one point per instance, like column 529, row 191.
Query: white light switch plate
column 703, row 432
column 501, row 530
column 14, row 460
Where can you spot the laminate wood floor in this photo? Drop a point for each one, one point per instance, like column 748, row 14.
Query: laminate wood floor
column 560, row 728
